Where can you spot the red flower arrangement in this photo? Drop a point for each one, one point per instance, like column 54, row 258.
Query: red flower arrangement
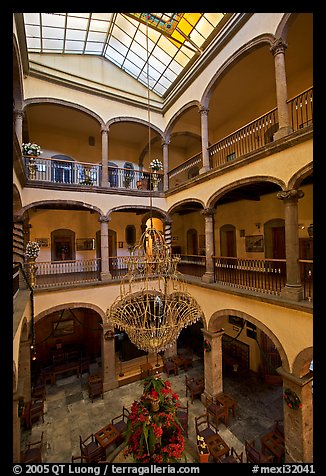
column 154, row 433
column 291, row 399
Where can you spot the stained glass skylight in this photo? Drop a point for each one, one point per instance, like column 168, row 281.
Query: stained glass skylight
column 154, row 48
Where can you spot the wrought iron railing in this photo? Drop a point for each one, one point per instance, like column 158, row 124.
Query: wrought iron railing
column 301, row 110
column 306, row 272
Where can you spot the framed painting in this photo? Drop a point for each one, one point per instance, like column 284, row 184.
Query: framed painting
column 83, row 244
column 43, row 242
column 254, row 243
column 63, row 328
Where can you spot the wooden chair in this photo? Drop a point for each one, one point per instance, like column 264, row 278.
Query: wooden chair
column 39, row 392
column 169, row 366
column 33, row 411
column 79, row 459
column 120, row 422
column 233, row 457
column 33, row 452
column 91, row 450
column 278, row 428
column 216, row 411
column 203, row 426
column 254, row 455
column 182, row 414
column 95, row 388
column 46, row 374
column 195, row 387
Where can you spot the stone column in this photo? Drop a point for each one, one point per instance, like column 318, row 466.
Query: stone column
column 293, row 289
column 108, row 361
column 105, row 270
column 105, row 155
column 204, row 139
column 165, row 146
column 16, row 430
column 167, row 232
column 208, row 213
column 19, row 116
column 213, row 363
column 284, row 128
column 298, row 422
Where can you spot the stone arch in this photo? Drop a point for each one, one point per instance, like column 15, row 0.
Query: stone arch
column 83, row 205
column 17, row 201
column 299, row 176
column 302, row 362
column 177, row 116
column 216, row 319
column 158, row 213
column 18, row 93
column 14, row 377
column 137, row 120
column 71, row 305
column 247, row 48
column 65, row 103
column 283, row 26
column 184, row 202
column 244, row 181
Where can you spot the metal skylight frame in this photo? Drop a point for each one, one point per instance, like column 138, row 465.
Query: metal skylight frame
column 120, row 39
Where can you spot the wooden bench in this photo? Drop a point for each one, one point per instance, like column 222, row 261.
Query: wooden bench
column 63, row 368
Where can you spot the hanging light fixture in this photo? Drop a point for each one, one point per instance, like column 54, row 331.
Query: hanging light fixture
column 153, row 305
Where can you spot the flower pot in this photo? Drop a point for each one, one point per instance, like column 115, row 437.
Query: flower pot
column 203, row 458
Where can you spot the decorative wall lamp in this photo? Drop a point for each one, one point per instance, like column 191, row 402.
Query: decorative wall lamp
column 258, row 225
column 310, row 230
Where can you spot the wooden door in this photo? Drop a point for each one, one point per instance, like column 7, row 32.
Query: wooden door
column 278, row 242
column 230, row 243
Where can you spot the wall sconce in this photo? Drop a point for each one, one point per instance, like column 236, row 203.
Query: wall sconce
column 258, row 225
column 310, row 230
column 301, row 226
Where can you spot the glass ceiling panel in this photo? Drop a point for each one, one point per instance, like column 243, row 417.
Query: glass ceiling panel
column 172, row 39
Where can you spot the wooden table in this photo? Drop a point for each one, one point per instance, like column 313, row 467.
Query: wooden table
column 178, row 362
column 107, row 435
column 274, row 443
column 217, row 446
column 226, row 399
column 145, row 370
column 196, row 387
column 63, row 368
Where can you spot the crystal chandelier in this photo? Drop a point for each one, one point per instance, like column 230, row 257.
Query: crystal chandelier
column 154, row 305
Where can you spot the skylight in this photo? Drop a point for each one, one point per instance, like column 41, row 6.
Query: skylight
column 154, row 48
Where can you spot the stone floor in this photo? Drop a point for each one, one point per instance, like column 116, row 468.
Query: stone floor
column 69, row 412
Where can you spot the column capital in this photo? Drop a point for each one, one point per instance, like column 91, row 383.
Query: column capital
column 213, row 334
column 208, row 212
column 104, row 219
column 203, row 110
column 165, row 141
column 278, row 46
column 19, row 113
column 291, row 194
column 104, row 130
column 167, row 221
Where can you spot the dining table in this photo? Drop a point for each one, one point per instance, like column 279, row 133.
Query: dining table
column 217, row 446
column 273, row 442
column 107, row 435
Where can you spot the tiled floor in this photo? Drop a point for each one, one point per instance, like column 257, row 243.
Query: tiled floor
column 69, row 412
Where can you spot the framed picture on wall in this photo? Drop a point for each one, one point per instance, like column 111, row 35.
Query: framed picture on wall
column 63, row 328
column 83, row 244
column 254, row 243
column 43, row 242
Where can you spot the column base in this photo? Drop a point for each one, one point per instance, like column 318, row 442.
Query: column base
column 282, row 132
column 293, row 293
column 110, row 385
column 208, row 277
column 204, row 169
column 106, row 276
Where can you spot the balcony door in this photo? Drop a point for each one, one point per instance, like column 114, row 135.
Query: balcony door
column 63, row 245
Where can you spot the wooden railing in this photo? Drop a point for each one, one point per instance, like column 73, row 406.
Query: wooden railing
column 194, row 265
column 186, row 170
column 264, row 275
column 306, row 274
column 261, row 275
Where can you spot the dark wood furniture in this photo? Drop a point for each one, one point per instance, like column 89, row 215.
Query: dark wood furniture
column 216, row 410
column 33, row 452
column 107, row 435
column 187, row 359
column 254, row 455
column 33, row 411
column 182, row 413
column 169, row 366
column 229, row 401
column 120, row 422
column 145, row 370
column 204, row 427
column 195, row 387
column 233, row 457
column 95, row 386
column 273, row 443
column 64, row 368
column 217, row 446
column 178, row 362
column 91, row 450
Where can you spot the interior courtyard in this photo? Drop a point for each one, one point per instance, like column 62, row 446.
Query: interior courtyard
column 163, row 166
